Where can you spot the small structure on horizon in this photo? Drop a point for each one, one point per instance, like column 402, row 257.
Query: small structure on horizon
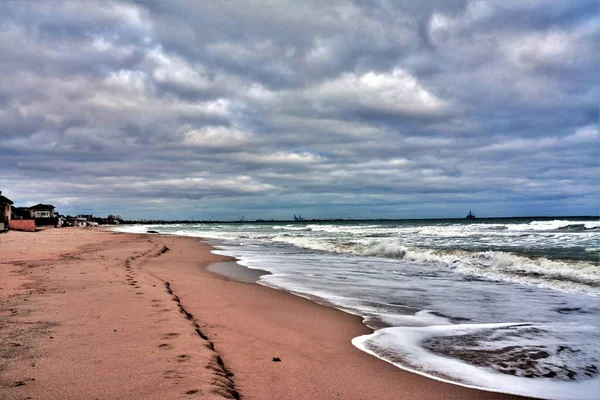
column 470, row 215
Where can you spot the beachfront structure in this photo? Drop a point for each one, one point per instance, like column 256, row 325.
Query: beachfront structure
column 42, row 211
column 5, row 212
column 21, row 213
column 5, row 208
column 80, row 221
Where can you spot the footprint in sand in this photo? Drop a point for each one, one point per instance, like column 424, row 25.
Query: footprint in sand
column 170, row 335
column 172, row 375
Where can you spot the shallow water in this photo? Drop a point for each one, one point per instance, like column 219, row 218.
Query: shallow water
column 505, row 305
column 236, row 272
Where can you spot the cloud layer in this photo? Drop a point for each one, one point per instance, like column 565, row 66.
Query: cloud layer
column 366, row 109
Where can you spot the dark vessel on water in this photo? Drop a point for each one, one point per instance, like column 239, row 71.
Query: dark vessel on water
column 470, row 215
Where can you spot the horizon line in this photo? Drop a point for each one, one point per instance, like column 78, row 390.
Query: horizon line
column 261, row 220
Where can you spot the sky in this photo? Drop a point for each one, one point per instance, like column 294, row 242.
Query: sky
column 364, row 109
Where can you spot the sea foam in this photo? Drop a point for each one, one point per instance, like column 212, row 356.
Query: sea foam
column 404, row 347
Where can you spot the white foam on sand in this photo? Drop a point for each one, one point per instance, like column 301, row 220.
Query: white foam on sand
column 131, row 229
column 404, row 343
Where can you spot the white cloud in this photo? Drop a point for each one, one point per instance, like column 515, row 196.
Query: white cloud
column 321, row 53
column 237, row 184
column 584, row 135
column 216, row 136
column 396, row 92
column 128, row 80
column 282, row 157
column 174, row 70
column 259, row 93
column 536, row 49
column 442, row 27
column 131, row 15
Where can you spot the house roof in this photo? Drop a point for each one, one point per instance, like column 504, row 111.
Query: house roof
column 4, row 200
column 42, row 207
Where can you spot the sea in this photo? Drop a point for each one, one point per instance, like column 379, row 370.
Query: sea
column 505, row 305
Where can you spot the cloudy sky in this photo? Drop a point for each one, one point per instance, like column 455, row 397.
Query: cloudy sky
column 219, row 109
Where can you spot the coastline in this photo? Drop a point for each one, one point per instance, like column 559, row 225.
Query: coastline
column 236, row 272
column 153, row 322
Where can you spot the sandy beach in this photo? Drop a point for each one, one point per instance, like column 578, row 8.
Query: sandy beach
column 92, row 314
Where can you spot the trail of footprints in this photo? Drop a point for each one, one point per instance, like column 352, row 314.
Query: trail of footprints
column 130, row 274
column 223, row 378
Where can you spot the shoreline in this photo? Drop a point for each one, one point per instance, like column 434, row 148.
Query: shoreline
column 235, row 271
column 185, row 331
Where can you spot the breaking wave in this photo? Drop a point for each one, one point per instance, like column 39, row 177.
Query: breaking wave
column 572, row 276
column 498, row 356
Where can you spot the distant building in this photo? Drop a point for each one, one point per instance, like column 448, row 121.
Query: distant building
column 5, row 211
column 5, row 208
column 22, row 213
column 43, row 211
column 80, row 221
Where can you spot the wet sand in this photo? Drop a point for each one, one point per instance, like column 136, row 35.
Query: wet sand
column 86, row 313
column 237, row 272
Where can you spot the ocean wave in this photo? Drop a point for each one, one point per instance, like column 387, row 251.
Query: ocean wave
column 131, row 229
column 508, row 267
column 453, row 240
column 502, row 230
column 569, row 276
column 575, row 228
column 292, row 228
column 503, row 357
column 556, row 224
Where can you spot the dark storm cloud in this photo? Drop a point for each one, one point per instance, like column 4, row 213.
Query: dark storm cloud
column 366, row 109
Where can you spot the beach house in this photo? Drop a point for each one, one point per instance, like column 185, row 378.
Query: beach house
column 43, row 211
column 5, row 211
column 21, row 213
